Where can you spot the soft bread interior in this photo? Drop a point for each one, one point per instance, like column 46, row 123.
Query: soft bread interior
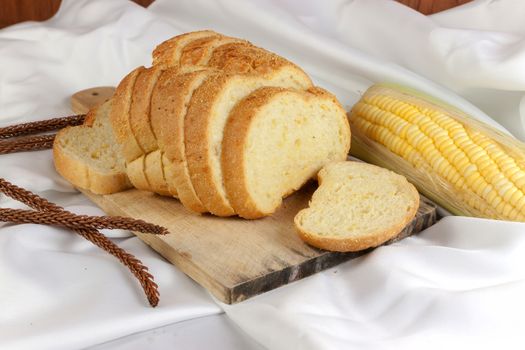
column 356, row 206
column 289, row 139
column 96, row 145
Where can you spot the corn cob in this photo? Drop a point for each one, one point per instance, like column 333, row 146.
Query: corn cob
column 466, row 166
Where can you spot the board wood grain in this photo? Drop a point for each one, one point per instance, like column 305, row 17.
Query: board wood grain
column 236, row 259
column 83, row 101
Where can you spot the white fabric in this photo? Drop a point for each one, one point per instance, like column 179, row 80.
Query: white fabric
column 458, row 284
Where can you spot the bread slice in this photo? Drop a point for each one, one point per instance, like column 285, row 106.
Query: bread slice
column 357, row 206
column 168, row 52
column 119, row 116
column 169, row 103
column 276, row 140
column 139, row 114
column 199, row 52
column 88, row 155
column 149, row 163
column 208, row 112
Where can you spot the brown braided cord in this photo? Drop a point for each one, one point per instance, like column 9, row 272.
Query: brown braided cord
column 67, row 219
column 134, row 265
column 28, row 143
column 34, row 143
column 40, row 126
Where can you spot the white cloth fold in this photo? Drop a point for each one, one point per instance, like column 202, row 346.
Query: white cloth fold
column 459, row 284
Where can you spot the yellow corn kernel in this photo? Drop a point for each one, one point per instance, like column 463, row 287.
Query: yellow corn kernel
column 488, row 180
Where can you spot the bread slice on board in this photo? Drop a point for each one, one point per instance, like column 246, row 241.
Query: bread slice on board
column 150, row 161
column 119, row 116
column 276, row 140
column 208, row 113
column 88, row 155
column 169, row 103
column 357, row 206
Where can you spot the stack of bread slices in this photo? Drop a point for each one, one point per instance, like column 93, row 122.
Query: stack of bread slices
column 224, row 126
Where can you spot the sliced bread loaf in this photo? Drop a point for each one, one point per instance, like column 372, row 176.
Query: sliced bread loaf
column 186, row 52
column 357, row 206
column 277, row 139
column 208, row 112
column 88, row 155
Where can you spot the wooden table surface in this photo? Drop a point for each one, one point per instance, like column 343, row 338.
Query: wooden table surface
column 14, row 11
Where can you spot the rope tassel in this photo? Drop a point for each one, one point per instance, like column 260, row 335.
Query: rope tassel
column 46, row 212
column 22, row 143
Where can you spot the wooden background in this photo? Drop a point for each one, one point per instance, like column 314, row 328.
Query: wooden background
column 14, row 11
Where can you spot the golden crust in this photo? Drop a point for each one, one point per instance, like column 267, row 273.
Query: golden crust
column 233, row 146
column 91, row 116
column 140, row 122
column 80, row 175
column 73, row 170
column 154, row 172
column 242, row 58
column 168, row 52
column 199, row 52
column 140, row 109
column 167, row 118
column 136, row 174
column 375, row 239
column 234, row 143
column 196, row 136
column 119, row 116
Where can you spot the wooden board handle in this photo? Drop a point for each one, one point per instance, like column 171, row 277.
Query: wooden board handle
column 83, row 101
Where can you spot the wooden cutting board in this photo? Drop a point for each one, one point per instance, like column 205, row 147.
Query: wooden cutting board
column 234, row 259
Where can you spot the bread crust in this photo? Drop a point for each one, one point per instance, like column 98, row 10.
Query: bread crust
column 199, row 52
column 73, row 170
column 356, row 244
column 197, row 133
column 139, row 115
column 154, row 171
column 168, row 114
column 168, row 52
column 81, row 176
column 233, row 147
column 140, row 122
column 234, row 142
column 119, row 116
column 136, row 174
column 77, row 172
column 244, row 58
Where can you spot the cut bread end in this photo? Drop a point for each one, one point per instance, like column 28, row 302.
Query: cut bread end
column 88, row 155
column 357, row 206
